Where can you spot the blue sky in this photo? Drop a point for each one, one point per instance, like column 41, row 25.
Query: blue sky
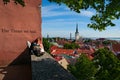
column 60, row 21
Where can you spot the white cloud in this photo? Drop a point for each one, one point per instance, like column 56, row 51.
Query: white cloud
column 50, row 11
column 55, row 10
column 87, row 13
column 62, row 26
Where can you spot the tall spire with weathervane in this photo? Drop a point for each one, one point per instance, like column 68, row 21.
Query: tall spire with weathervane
column 70, row 36
column 77, row 28
column 77, row 37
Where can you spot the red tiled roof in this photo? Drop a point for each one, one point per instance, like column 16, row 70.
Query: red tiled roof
column 57, row 58
column 70, row 51
column 116, row 47
column 53, row 48
column 62, row 42
column 101, row 46
column 85, row 51
column 63, row 51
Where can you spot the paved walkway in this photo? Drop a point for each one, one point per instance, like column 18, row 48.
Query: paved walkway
column 46, row 68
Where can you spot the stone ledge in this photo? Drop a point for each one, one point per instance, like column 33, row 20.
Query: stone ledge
column 46, row 68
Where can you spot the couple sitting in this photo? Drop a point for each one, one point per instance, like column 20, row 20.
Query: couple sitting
column 36, row 47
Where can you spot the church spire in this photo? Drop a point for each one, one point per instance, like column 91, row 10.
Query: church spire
column 70, row 36
column 77, row 33
column 76, row 28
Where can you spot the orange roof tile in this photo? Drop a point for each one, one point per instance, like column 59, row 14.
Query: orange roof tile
column 116, row 47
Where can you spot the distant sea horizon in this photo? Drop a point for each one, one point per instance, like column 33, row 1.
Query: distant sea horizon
column 94, row 38
column 109, row 38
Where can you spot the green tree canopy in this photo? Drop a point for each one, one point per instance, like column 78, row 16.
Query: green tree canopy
column 83, row 69
column 71, row 46
column 106, row 11
column 104, row 66
column 108, row 65
column 46, row 45
column 87, row 41
column 106, row 42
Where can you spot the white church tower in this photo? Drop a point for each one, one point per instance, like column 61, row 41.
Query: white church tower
column 77, row 36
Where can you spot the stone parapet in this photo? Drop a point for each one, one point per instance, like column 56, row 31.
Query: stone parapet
column 46, row 68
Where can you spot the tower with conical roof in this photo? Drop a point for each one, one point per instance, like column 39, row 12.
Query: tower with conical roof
column 77, row 37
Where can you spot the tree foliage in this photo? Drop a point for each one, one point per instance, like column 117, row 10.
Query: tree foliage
column 46, row 45
column 71, row 46
column 106, row 11
column 83, row 69
column 21, row 2
column 87, row 41
column 104, row 66
column 108, row 65
column 106, row 42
